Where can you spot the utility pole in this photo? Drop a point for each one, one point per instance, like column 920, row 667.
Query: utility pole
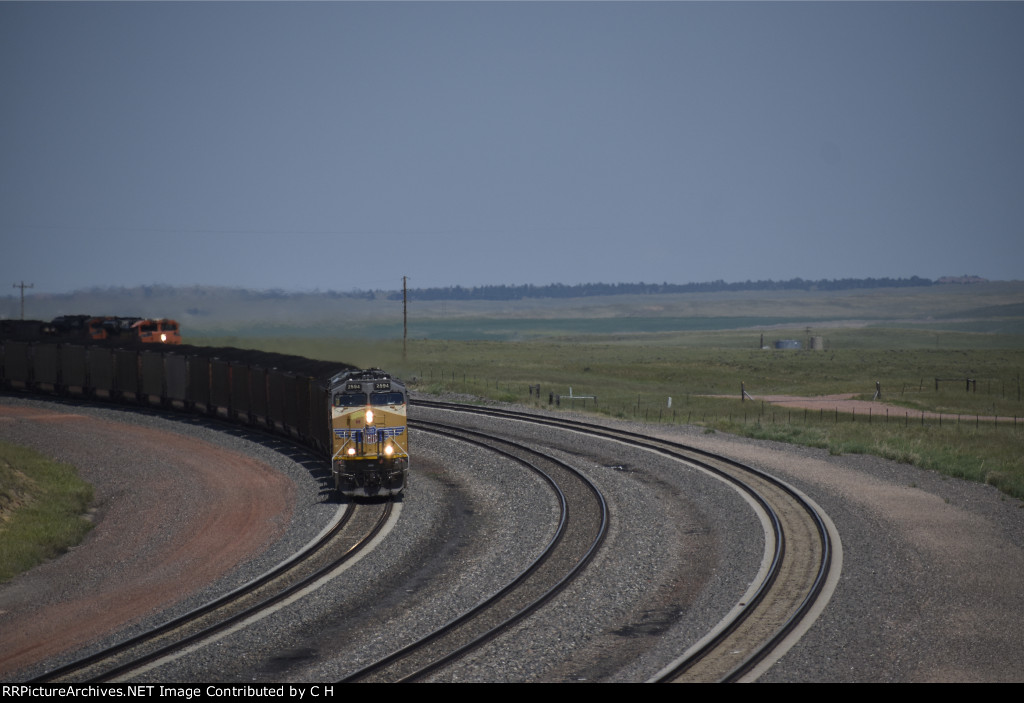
column 405, row 317
column 23, row 286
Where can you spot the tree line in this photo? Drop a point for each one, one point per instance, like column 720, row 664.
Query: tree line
column 582, row 290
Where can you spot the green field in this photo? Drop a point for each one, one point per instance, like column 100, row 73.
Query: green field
column 42, row 507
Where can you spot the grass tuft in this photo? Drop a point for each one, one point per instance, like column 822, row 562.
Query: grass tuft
column 42, row 507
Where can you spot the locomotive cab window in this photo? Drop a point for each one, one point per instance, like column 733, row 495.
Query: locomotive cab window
column 386, row 399
column 349, row 400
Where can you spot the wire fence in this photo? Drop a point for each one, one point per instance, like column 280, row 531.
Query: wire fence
column 754, row 412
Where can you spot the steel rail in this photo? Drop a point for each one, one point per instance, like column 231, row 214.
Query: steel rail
column 494, row 601
column 282, row 571
column 685, row 453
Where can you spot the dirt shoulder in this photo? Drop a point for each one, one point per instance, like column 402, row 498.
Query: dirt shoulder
column 845, row 403
column 173, row 514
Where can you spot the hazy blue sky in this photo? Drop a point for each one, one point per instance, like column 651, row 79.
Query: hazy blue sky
column 343, row 145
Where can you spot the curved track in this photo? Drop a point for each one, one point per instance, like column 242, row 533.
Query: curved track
column 353, row 530
column 581, row 530
column 800, row 568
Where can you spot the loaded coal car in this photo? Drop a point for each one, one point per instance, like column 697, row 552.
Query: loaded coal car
column 71, row 326
column 16, row 364
column 26, row 330
column 370, row 450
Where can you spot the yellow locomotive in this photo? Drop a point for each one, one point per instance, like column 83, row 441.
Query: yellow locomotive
column 370, row 452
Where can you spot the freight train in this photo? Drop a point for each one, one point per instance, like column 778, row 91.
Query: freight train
column 355, row 419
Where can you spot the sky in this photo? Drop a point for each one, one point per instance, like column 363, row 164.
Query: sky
column 344, row 145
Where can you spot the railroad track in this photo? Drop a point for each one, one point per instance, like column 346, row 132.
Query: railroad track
column 581, row 529
column 349, row 535
column 798, row 573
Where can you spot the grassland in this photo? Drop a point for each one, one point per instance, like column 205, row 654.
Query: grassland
column 42, row 507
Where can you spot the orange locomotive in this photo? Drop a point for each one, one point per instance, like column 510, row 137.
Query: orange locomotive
column 160, row 331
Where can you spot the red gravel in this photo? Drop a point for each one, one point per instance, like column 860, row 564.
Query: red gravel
column 174, row 514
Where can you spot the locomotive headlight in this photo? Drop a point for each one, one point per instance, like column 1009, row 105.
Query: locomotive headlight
column 369, row 417
column 389, row 450
column 163, row 337
column 351, row 451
